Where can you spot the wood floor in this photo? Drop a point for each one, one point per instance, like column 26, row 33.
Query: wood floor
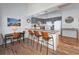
column 66, row 46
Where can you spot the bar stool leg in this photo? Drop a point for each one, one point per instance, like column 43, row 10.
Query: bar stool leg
column 41, row 47
column 31, row 39
column 5, row 43
column 37, row 43
column 12, row 42
column 47, row 48
column 28, row 39
column 53, row 45
column 33, row 42
column 19, row 41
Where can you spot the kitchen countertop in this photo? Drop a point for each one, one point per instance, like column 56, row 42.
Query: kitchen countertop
column 50, row 31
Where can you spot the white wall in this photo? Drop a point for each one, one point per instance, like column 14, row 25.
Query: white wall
column 20, row 11
column 17, row 11
column 0, row 21
column 0, row 25
column 72, row 10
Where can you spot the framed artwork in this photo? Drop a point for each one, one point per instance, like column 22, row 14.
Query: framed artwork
column 13, row 22
column 69, row 19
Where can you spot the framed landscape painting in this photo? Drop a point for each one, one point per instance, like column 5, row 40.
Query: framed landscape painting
column 14, row 22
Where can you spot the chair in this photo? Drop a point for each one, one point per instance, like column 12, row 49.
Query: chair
column 7, row 37
column 31, row 33
column 22, row 35
column 19, row 36
column 46, row 37
column 16, row 36
column 38, row 35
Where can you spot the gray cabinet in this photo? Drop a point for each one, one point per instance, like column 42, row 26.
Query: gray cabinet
column 43, row 21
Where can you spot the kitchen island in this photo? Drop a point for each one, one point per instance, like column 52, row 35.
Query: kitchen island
column 52, row 33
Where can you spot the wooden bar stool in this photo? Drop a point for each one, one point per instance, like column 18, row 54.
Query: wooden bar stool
column 46, row 37
column 31, row 33
column 38, row 35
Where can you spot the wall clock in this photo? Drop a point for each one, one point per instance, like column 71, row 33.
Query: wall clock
column 69, row 19
column 28, row 20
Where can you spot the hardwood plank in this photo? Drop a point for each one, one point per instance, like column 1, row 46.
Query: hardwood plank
column 66, row 46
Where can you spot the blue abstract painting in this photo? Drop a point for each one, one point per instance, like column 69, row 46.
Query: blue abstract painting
column 14, row 22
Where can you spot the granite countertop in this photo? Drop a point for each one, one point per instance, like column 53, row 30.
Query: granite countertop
column 50, row 31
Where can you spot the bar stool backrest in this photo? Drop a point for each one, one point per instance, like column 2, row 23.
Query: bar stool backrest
column 31, row 32
column 36, row 33
column 16, row 35
column 45, row 36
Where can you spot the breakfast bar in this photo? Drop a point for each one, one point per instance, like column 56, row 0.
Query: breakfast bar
column 53, row 33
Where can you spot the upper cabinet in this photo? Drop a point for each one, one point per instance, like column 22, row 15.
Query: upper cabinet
column 43, row 21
